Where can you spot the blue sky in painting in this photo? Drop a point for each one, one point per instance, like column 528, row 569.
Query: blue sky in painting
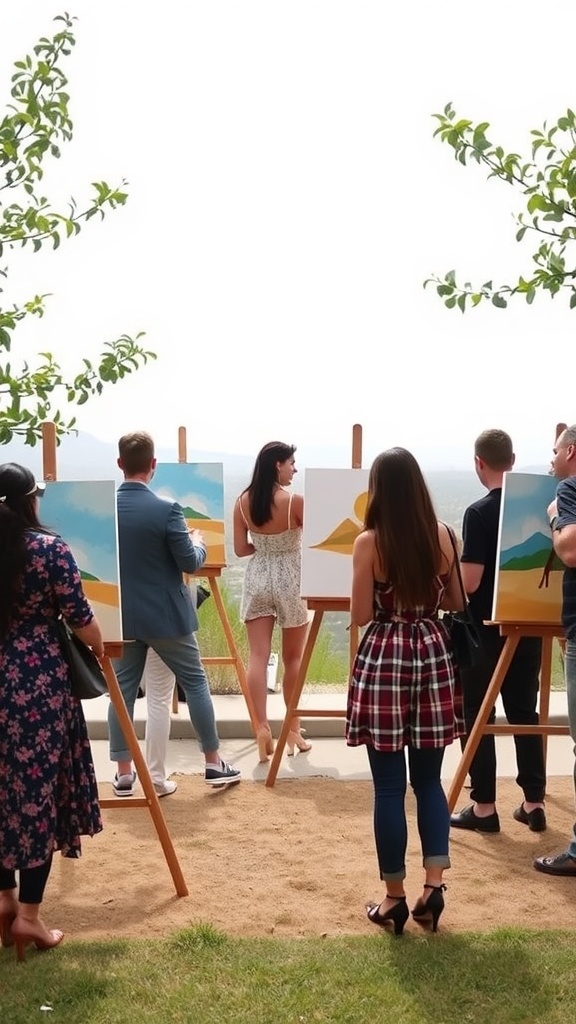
column 526, row 497
column 84, row 514
column 196, row 484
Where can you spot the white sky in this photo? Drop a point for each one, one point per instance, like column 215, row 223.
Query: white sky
column 287, row 201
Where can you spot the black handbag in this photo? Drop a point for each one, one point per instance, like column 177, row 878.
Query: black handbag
column 466, row 643
column 87, row 680
column 202, row 594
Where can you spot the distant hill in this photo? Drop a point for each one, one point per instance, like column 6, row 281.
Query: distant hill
column 191, row 513
column 533, row 553
column 85, row 457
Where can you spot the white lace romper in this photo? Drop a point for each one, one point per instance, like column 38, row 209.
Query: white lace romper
column 272, row 578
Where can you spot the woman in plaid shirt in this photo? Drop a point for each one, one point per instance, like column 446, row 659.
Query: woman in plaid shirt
column 404, row 690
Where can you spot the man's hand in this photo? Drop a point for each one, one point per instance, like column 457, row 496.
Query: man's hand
column 197, row 538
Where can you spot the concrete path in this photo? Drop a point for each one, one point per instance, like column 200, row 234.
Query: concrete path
column 329, row 755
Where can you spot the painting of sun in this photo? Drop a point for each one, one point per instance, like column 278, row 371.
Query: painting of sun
column 334, row 508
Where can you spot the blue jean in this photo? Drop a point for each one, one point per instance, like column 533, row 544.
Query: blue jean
column 390, row 830
column 182, row 656
column 570, row 678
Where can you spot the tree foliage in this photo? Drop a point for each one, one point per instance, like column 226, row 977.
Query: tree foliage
column 35, row 125
column 547, row 183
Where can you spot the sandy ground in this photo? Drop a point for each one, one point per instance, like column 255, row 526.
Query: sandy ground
column 296, row 859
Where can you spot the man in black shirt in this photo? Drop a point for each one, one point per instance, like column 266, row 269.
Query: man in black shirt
column 562, row 512
column 493, row 456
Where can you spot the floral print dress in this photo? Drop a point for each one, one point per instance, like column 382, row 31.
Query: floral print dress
column 48, row 790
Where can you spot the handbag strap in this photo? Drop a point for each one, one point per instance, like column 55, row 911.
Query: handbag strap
column 457, row 563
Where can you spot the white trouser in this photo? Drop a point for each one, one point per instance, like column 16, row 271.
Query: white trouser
column 159, row 684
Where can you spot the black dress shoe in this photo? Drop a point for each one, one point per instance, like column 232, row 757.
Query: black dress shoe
column 562, row 864
column 536, row 819
column 468, row 819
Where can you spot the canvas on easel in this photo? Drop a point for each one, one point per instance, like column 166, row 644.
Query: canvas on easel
column 334, row 508
column 528, row 586
column 527, row 603
column 199, row 490
column 198, row 487
column 83, row 512
column 68, row 508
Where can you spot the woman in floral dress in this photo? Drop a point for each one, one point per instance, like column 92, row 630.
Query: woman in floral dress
column 48, row 791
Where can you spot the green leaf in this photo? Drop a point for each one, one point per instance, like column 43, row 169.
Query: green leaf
column 499, row 301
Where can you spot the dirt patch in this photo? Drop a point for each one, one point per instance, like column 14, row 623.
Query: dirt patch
column 297, row 859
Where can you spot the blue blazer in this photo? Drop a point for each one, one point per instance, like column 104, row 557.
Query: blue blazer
column 154, row 550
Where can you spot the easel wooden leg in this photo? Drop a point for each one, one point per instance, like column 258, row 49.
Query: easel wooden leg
column 234, row 652
column 292, row 706
column 477, row 730
column 151, row 799
column 545, row 682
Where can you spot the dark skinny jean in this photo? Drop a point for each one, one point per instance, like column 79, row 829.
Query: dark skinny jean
column 390, row 830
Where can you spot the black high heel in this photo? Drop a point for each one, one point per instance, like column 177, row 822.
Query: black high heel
column 397, row 915
column 430, row 909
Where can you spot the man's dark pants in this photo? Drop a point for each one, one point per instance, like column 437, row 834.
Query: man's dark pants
column 519, row 696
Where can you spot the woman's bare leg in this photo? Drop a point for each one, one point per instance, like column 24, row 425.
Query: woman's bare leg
column 293, row 641
column 259, row 642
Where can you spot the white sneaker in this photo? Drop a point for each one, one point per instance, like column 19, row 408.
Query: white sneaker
column 123, row 785
column 165, row 788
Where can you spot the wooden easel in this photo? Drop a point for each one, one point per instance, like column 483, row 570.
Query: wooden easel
column 318, row 606
column 513, row 633
column 213, row 574
column 114, row 650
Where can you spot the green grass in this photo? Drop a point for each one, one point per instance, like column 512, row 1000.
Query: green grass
column 327, row 665
column 508, row 976
column 557, row 676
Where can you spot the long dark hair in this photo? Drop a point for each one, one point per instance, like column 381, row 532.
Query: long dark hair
column 17, row 515
column 401, row 513
column 260, row 490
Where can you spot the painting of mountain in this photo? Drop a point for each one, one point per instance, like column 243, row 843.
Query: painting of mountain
column 198, row 487
column 533, row 553
column 528, row 575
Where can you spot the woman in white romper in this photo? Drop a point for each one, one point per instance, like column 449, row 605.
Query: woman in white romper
column 268, row 527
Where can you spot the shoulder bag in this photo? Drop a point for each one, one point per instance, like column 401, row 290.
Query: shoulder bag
column 87, row 679
column 466, row 643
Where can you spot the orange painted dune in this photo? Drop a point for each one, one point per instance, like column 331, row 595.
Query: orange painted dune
column 213, row 532
column 104, row 593
column 521, row 600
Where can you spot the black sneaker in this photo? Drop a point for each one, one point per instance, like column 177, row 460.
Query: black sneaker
column 221, row 775
column 468, row 819
column 123, row 785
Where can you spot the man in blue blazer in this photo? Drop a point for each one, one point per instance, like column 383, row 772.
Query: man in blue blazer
column 155, row 548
